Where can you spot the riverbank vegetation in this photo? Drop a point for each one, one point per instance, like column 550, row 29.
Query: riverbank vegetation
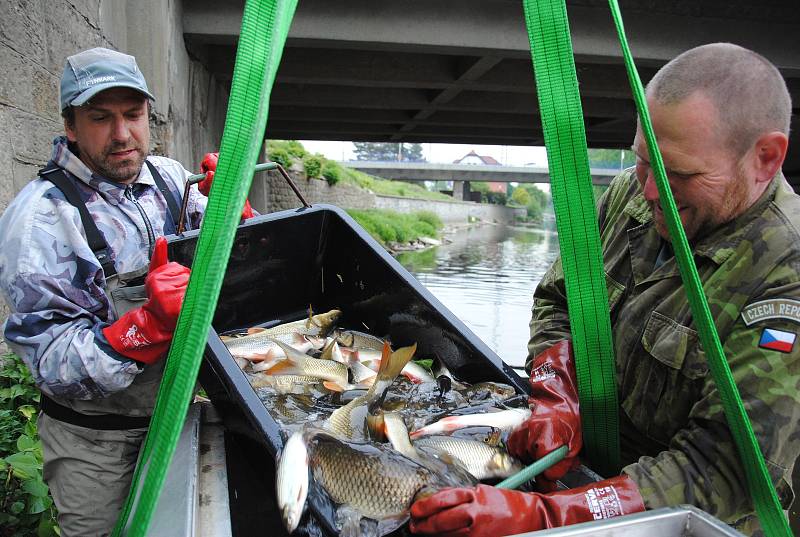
column 390, row 228
column 26, row 509
column 292, row 154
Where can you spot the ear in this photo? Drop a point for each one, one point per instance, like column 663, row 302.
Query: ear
column 769, row 153
column 70, row 132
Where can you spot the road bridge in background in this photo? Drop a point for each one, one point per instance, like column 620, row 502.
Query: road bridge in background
column 426, row 171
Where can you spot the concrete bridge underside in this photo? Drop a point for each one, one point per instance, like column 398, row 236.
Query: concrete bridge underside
column 459, row 71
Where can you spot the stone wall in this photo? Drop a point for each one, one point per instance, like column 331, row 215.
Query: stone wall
column 36, row 36
column 279, row 195
column 452, row 211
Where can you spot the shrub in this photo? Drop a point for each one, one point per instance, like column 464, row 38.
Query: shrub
column 281, row 156
column 313, row 166
column 26, row 509
column 431, row 218
column 332, row 172
column 294, row 148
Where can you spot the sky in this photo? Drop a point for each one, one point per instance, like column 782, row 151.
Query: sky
column 443, row 153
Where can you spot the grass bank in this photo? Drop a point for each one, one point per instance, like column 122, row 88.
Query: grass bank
column 388, row 227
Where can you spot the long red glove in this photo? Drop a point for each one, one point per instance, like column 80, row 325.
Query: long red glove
column 490, row 512
column 555, row 420
column 209, row 167
column 145, row 333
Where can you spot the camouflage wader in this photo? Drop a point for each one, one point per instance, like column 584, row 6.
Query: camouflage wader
column 676, row 444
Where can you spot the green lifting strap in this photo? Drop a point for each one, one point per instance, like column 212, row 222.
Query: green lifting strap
column 768, row 508
column 265, row 24
column 578, row 234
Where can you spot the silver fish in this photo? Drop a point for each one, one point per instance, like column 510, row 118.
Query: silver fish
column 291, row 481
column 349, row 421
column 478, row 458
column 505, row 420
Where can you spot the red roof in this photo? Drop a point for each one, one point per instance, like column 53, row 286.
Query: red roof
column 484, row 158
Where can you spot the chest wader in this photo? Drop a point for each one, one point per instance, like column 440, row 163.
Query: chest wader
column 132, row 407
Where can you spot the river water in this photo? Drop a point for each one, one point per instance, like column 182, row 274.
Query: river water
column 486, row 277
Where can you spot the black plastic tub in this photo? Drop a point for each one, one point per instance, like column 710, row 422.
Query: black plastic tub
column 280, row 264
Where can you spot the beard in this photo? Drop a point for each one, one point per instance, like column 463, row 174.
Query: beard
column 119, row 170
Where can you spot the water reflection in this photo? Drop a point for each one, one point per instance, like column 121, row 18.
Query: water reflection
column 486, row 277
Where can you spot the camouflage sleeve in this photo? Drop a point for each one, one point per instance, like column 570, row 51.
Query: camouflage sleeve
column 53, row 285
column 702, row 466
column 549, row 318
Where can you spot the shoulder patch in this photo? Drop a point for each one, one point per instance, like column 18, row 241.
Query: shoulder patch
column 776, row 308
column 777, row 340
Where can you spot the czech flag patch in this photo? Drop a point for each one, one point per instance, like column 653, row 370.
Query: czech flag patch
column 777, row 340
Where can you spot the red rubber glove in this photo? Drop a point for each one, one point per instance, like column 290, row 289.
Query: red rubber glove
column 144, row 334
column 209, row 166
column 555, row 420
column 490, row 512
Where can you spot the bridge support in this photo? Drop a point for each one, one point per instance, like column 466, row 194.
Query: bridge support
column 461, row 191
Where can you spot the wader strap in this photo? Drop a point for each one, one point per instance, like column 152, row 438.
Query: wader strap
column 174, row 211
column 101, row 422
column 97, row 242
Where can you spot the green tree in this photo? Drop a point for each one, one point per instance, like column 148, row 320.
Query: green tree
column 521, row 196
column 387, row 151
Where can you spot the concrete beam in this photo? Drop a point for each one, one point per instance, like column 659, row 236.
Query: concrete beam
column 422, row 171
column 459, row 26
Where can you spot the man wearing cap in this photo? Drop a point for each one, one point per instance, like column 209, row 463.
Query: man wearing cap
column 721, row 117
column 93, row 300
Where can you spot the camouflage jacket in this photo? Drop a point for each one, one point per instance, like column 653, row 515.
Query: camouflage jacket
column 54, row 284
column 675, row 439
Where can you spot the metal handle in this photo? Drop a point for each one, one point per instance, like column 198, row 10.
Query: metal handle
column 528, row 473
column 264, row 166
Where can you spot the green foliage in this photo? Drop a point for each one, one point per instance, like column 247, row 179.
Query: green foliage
column 26, row 509
column 281, row 156
column 388, row 226
column 431, row 218
column 294, row 148
column 332, row 172
column 497, row 198
column 520, row 196
column 313, row 165
column 285, row 152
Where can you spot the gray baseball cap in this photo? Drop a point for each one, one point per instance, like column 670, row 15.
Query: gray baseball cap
column 89, row 72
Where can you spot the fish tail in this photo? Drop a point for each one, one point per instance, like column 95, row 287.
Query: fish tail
column 392, row 365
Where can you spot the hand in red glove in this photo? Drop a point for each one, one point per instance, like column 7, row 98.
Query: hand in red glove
column 144, row 334
column 555, row 420
column 209, row 167
column 490, row 512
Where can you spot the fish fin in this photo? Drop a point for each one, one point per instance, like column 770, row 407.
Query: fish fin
column 327, row 351
column 261, row 356
column 311, row 321
column 366, row 383
column 255, row 330
column 392, row 365
column 292, row 354
column 284, row 368
column 333, row 386
column 226, row 338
